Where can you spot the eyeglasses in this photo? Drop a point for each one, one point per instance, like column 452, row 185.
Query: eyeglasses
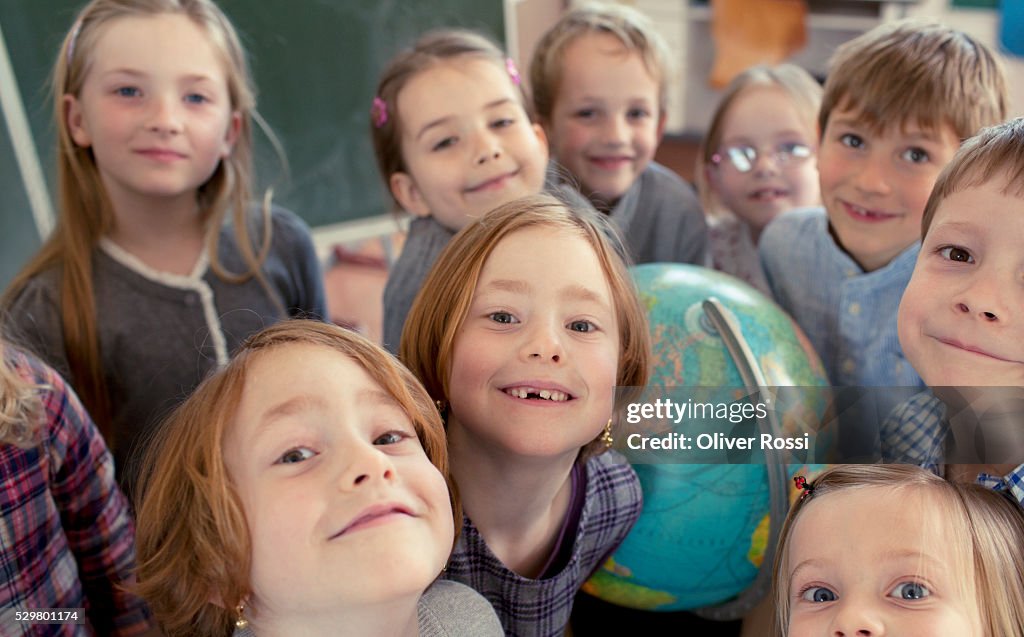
column 744, row 158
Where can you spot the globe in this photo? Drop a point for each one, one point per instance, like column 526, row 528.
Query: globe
column 703, row 532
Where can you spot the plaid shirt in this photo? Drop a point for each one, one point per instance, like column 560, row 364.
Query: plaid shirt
column 915, row 432
column 66, row 535
column 611, row 504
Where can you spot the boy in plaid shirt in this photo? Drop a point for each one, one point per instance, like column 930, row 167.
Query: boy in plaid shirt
column 961, row 320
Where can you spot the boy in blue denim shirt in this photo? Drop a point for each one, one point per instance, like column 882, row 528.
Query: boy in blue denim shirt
column 897, row 103
column 961, row 320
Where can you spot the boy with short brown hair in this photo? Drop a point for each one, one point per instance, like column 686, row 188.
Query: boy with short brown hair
column 599, row 80
column 961, row 320
column 897, row 103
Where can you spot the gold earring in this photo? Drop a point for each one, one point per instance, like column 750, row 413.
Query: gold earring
column 606, row 437
column 240, row 620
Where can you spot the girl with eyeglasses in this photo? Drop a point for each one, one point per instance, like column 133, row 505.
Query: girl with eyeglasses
column 756, row 162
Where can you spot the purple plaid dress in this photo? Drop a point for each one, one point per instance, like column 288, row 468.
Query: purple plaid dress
column 605, row 504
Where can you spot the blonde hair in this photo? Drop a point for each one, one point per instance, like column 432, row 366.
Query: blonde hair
column 996, row 152
column 430, row 50
column 440, row 308
column 988, row 531
column 916, row 71
column 21, row 409
column 802, row 89
column 85, row 213
column 192, row 540
column 630, row 27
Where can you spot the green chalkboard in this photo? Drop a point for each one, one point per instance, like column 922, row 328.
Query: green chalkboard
column 315, row 64
column 18, row 235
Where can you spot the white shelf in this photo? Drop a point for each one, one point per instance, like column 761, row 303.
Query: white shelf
column 829, row 24
column 824, row 21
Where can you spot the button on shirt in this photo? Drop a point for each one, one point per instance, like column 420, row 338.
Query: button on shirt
column 849, row 315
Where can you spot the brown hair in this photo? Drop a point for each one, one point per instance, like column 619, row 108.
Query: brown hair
column 192, row 539
column 629, row 26
column 440, row 308
column 430, row 50
column 988, row 528
column 85, row 212
column 916, row 71
column 802, row 89
column 995, row 152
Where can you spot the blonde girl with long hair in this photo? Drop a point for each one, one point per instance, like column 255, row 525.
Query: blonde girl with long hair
column 159, row 266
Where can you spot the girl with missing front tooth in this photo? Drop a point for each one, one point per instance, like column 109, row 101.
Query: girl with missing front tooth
column 521, row 332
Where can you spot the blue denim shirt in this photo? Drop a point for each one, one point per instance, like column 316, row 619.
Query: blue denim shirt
column 848, row 314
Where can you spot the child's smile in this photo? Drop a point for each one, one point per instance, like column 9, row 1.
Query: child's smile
column 535, row 362
column 333, row 479
column 961, row 320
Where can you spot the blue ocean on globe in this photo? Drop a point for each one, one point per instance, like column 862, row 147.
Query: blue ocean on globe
column 702, row 535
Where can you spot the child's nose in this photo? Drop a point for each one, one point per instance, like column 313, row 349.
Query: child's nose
column 616, row 131
column 488, row 149
column 872, row 177
column 164, row 116
column 542, row 342
column 766, row 163
column 855, row 619
column 367, row 465
column 987, row 300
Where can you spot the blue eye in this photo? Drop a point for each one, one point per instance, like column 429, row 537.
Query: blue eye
column 910, row 591
column 818, row 595
column 196, row 98
column 502, row 317
column 582, row 326
column 128, row 91
column 296, row 455
column 851, row 141
column 954, row 253
column 393, row 437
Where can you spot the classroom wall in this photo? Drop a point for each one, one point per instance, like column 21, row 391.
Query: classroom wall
column 535, row 16
column 982, row 24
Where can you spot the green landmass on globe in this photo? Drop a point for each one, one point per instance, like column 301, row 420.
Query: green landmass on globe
column 703, row 531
